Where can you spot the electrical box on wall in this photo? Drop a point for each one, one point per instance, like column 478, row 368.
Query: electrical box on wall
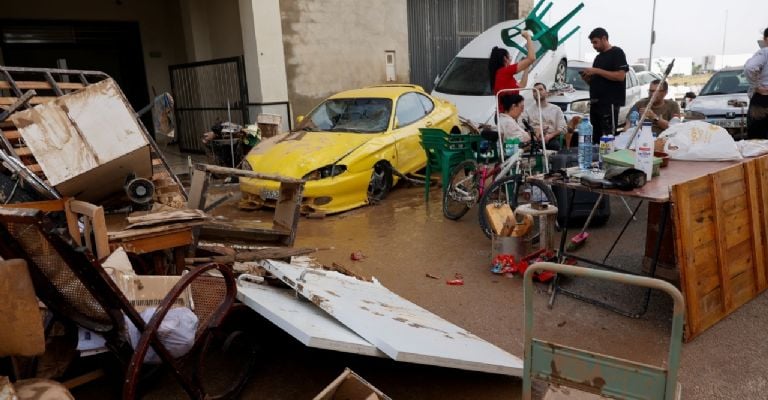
column 390, row 65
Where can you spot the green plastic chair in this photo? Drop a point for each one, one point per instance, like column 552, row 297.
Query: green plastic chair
column 596, row 373
column 545, row 35
column 444, row 152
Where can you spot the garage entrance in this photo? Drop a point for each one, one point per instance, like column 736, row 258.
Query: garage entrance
column 110, row 47
column 438, row 29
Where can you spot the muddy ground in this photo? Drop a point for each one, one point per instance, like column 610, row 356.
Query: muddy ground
column 404, row 239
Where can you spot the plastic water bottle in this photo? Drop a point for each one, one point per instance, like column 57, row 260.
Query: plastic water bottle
column 585, row 145
column 644, row 150
column 634, row 116
column 511, row 145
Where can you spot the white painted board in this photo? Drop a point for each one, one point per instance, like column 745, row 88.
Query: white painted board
column 86, row 142
column 399, row 328
column 302, row 319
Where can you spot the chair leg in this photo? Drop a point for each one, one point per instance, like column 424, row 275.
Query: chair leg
column 428, row 173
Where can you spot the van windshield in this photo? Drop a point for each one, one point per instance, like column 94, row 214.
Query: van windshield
column 466, row 76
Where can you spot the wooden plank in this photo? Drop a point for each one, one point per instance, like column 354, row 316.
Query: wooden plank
column 167, row 240
column 680, row 196
column 720, row 240
column 247, row 174
column 12, row 135
column 743, row 288
column 706, row 271
column 155, row 231
column 755, row 210
column 23, row 151
column 7, row 101
column 399, row 328
column 197, row 190
column 302, row 320
column 41, row 85
column 763, row 201
column 740, row 259
column 738, row 229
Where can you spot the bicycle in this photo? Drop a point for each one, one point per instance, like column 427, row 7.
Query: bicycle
column 509, row 183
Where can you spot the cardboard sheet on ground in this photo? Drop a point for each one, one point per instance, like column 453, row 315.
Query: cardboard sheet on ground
column 399, row 328
column 302, row 319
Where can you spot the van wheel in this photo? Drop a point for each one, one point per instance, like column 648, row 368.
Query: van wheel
column 560, row 72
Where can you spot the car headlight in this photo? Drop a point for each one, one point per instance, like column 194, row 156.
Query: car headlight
column 325, row 172
column 580, row 106
column 246, row 166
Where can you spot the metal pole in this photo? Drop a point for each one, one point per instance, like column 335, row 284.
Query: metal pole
column 725, row 31
column 653, row 35
column 231, row 136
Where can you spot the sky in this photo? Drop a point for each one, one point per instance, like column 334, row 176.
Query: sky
column 684, row 28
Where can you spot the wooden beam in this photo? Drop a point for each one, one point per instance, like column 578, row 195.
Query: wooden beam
column 247, row 174
column 42, row 85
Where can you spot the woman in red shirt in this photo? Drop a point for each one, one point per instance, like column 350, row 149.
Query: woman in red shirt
column 502, row 71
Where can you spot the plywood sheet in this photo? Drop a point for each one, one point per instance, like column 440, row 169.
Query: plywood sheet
column 302, row 319
column 78, row 136
column 399, row 328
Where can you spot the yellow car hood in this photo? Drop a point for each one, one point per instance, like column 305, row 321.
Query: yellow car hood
column 299, row 153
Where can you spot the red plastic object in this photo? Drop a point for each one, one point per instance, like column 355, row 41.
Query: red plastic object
column 457, row 281
column 356, row 256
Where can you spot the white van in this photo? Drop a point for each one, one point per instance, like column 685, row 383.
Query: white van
column 465, row 80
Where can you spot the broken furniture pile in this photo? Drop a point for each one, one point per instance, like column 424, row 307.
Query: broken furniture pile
column 81, row 180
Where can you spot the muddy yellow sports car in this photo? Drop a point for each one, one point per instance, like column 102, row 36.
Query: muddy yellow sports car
column 350, row 149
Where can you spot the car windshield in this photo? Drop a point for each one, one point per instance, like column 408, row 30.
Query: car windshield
column 466, row 76
column 726, row 82
column 572, row 77
column 361, row 115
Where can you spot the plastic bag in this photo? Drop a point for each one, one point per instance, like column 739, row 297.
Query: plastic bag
column 699, row 141
column 753, row 148
column 176, row 332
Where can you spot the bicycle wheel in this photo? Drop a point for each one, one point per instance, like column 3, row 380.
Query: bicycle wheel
column 462, row 191
column 510, row 190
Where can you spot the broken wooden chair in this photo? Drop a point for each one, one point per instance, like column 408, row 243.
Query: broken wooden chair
column 73, row 285
column 22, row 333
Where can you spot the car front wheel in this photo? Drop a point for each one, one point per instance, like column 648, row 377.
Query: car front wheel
column 560, row 72
column 381, row 182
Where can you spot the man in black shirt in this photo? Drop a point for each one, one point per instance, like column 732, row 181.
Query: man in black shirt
column 607, row 88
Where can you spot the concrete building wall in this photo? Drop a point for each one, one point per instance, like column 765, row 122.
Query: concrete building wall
column 334, row 45
column 159, row 26
column 211, row 29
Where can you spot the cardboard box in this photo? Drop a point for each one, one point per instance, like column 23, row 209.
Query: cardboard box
column 350, row 386
column 144, row 291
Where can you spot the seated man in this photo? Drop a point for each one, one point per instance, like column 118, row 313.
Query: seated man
column 551, row 117
column 661, row 112
column 513, row 106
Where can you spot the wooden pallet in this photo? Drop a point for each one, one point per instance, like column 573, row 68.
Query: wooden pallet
column 50, row 84
column 721, row 224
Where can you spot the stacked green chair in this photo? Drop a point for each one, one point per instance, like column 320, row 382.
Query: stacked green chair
column 444, row 152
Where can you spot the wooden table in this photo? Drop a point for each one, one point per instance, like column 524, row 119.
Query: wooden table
column 719, row 211
column 175, row 237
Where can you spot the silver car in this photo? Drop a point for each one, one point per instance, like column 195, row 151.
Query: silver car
column 723, row 101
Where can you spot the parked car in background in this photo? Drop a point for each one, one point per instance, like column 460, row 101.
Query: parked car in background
column 465, row 82
column 577, row 102
column 723, row 101
column 349, row 147
column 638, row 68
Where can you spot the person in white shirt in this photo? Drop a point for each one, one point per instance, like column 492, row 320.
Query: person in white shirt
column 756, row 72
column 552, row 117
column 513, row 106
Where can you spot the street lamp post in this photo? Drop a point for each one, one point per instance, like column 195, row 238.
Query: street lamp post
column 653, row 35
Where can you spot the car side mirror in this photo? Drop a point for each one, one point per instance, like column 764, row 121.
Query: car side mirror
column 299, row 119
